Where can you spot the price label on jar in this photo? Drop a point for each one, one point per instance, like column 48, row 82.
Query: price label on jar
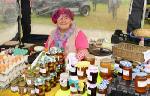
column 29, row 82
column 14, row 88
column 104, row 70
column 89, row 91
column 25, row 90
column 42, row 70
column 125, row 72
column 100, row 94
column 89, row 78
column 148, row 81
column 142, row 83
column 36, row 90
column 73, row 89
column 32, row 91
column 79, row 73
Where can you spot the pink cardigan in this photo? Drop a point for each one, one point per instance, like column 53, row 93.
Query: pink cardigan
column 81, row 44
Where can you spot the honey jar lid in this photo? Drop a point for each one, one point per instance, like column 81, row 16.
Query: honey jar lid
column 142, row 74
column 106, row 60
column 126, row 63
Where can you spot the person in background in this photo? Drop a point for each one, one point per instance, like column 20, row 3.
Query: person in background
column 94, row 2
column 67, row 35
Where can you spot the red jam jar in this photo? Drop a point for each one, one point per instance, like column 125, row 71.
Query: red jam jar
column 141, row 83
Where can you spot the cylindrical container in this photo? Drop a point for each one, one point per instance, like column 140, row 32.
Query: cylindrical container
column 127, row 70
column 30, row 78
column 91, row 89
column 14, row 86
column 90, row 58
column 73, row 82
column 61, row 58
column 92, row 73
column 22, row 88
column 81, row 89
column 102, row 89
column 53, row 79
column 64, row 81
column 44, row 70
column 140, row 83
column 82, row 66
column 31, row 91
column 39, row 89
column 106, row 68
column 47, row 85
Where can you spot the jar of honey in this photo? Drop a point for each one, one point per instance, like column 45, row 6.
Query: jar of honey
column 90, row 58
column 127, row 70
column 44, row 70
column 30, row 77
column 106, row 68
column 140, row 83
column 47, row 85
column 39, row 89
column 81, row 89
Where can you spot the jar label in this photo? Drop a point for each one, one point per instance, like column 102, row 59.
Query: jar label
column 36, row 90
column 14, row 88
column 29, row 82
column 80, row 73
column 73, row 89
column 104, row 70
column 32, row 91
column 125, row 72
column 148, row 81
column 25, row 90
column 88, row 91
column 89, row 78
column 42, row 70
column 100, row 94
column 72, row 69
column 142, row 83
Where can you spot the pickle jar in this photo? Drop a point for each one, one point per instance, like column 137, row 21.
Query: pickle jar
column 141, row 83
column 127, row 70
column 30, row 78
column 14, row 86
column 64, row 81
column 22, row 88
column 106, row 68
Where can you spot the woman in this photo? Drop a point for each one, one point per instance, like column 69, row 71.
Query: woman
column 66, row 35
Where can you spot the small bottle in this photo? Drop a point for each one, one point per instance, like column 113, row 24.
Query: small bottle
column 141, row 83
column 31, row 91
column 22, row 88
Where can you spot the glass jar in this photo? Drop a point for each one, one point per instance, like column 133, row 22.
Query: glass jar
column 47, row 85
column 30, row 78
column 92, row 73
column 90, row 58
column 64, row 81
column 14, row 86
column 81, row 89
column 61, row 59
column 106, row 68
column 51, row 66
column 81, row 72
column 44, row 70
column 52, row 81
column 102, row 90
column 127, row 73
column 73, row 82
column 31, row 91
column 91, row 89
column 140, row 83
column 22, row 87
column 39, row 89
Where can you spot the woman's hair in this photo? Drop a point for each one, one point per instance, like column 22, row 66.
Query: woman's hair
column 60, row 11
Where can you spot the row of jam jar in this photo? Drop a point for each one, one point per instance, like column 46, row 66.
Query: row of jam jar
column 37, row 87
column 141, row 79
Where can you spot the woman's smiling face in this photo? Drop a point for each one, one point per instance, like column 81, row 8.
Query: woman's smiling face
column 64, row 22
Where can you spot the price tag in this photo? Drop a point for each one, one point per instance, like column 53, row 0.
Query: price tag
column 29, row 82
column 42, row 70
column 36, row 90
column 32, row 91
column 79, row 73
column 104, row 70
column 125, row 72
column 142, row 83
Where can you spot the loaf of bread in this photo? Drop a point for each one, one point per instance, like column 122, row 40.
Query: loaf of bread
column 142, row 32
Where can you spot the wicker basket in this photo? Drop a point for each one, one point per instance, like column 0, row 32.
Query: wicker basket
column 129, row 51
